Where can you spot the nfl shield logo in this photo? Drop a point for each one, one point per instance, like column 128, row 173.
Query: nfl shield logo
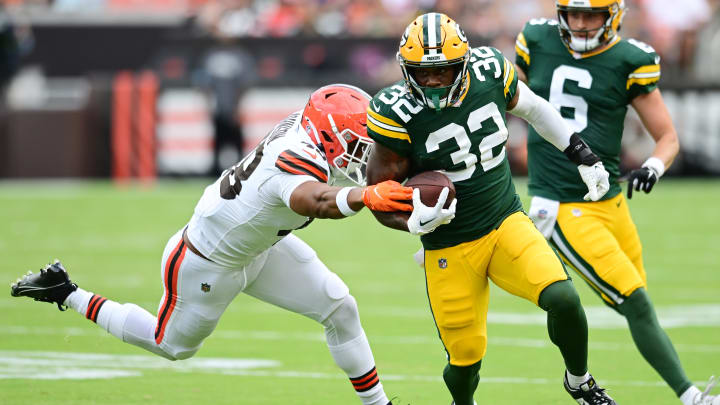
column 205, row 287
column 442, row 263
column 542, row 214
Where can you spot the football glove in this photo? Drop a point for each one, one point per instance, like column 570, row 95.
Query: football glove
column 645, row 177
column 596, row 178
column 591, row 169
column 387, row 196
column 425, row 219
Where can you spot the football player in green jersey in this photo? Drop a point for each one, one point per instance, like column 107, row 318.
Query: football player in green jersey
column 591, row 75
column 448, row 114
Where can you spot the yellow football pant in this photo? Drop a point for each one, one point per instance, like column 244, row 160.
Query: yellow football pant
column 600, row 242
column 515, row 257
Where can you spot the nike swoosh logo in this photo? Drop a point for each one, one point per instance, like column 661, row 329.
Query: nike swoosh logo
column 425, row 223
column 375, row 106
column 312, row 155
column 618, row 203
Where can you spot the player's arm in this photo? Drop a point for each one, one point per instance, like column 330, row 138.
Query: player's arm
column 384, row 164
column 548, row 122
column 521, row 74
column 319, row 200
column 656, row 118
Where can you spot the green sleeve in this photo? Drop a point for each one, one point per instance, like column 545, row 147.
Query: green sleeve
column 384, row 128
column 644, row 69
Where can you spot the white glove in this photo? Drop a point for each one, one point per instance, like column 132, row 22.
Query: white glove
column 425, row 219
column 596, row 179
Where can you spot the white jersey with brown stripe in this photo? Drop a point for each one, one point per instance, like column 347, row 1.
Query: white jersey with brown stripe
column 246, row 210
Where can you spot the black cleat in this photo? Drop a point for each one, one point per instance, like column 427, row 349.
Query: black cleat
column 589, row 393
column 52, row 284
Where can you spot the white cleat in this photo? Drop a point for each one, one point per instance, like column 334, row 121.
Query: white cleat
column 704, row 398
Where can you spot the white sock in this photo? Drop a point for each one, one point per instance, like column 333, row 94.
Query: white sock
column 576, row 381
column 78, row 300
column 356, row 359
column 127, row 322
column 688, row 397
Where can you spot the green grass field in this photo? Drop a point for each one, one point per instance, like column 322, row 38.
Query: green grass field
column 111, row 241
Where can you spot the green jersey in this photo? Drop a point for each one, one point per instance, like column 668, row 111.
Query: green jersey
column 465, row 141
column 592, row 92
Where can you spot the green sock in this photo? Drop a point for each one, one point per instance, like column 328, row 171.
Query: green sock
column 652, row 341
column 566, row 323
column 462, row 382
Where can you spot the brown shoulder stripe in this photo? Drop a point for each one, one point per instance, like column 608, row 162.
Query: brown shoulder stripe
column 293, row 163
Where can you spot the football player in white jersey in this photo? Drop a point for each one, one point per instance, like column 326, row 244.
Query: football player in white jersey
column 239, row 240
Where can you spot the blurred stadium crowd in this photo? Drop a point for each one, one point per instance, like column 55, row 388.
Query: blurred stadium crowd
column 676, row 29
column 228, row 49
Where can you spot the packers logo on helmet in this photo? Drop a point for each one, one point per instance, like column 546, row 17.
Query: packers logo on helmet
column 434, row 40
column 580, row 40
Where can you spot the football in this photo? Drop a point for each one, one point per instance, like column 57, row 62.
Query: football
column 431, row 184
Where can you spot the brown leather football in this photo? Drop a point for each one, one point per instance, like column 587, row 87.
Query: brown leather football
column 431, row 184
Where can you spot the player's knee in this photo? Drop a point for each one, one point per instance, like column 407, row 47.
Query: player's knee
column 345, row 319
column 178, row 353
column 560, row 298
column 637, row 305
column 468, row 350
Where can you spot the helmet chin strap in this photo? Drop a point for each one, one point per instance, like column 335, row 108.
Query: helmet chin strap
column 433, row 94
column 586, row 44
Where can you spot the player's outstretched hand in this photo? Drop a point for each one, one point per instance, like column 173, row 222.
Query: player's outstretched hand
column 596, row 178
column 643, row 179
column 388, row 196
column 425, row 219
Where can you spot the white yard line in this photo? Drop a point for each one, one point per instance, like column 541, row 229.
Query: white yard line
column 65, row 365
column 599, row 317
column 269, row 335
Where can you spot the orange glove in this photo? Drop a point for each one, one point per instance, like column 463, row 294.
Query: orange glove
column 388, row 196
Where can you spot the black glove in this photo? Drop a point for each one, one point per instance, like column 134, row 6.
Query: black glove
column 643, row 179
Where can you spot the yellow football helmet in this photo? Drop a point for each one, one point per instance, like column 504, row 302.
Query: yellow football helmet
column 614, row 11
column 434, row 40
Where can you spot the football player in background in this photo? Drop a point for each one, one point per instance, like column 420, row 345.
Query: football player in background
column 448, row 114
column 593, row 73
column 239, row 240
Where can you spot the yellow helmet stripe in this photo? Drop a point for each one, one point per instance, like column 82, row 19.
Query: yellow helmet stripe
column 509, row 69
column 522, row 49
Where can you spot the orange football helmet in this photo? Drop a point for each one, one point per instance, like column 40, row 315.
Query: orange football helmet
column 334, row 118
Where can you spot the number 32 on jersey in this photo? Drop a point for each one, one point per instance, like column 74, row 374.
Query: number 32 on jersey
column 466, row 158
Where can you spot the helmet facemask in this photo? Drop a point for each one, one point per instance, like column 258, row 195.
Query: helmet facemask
column 580, row 40
column 334, row 118
column 434, row 40
column 349, row 167
column 436, row 97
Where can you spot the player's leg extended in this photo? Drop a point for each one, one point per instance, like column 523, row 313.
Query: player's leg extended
column 458, row 292
column 295, row 279
column 183, row 322
column 524, row 265
column 601, row 243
